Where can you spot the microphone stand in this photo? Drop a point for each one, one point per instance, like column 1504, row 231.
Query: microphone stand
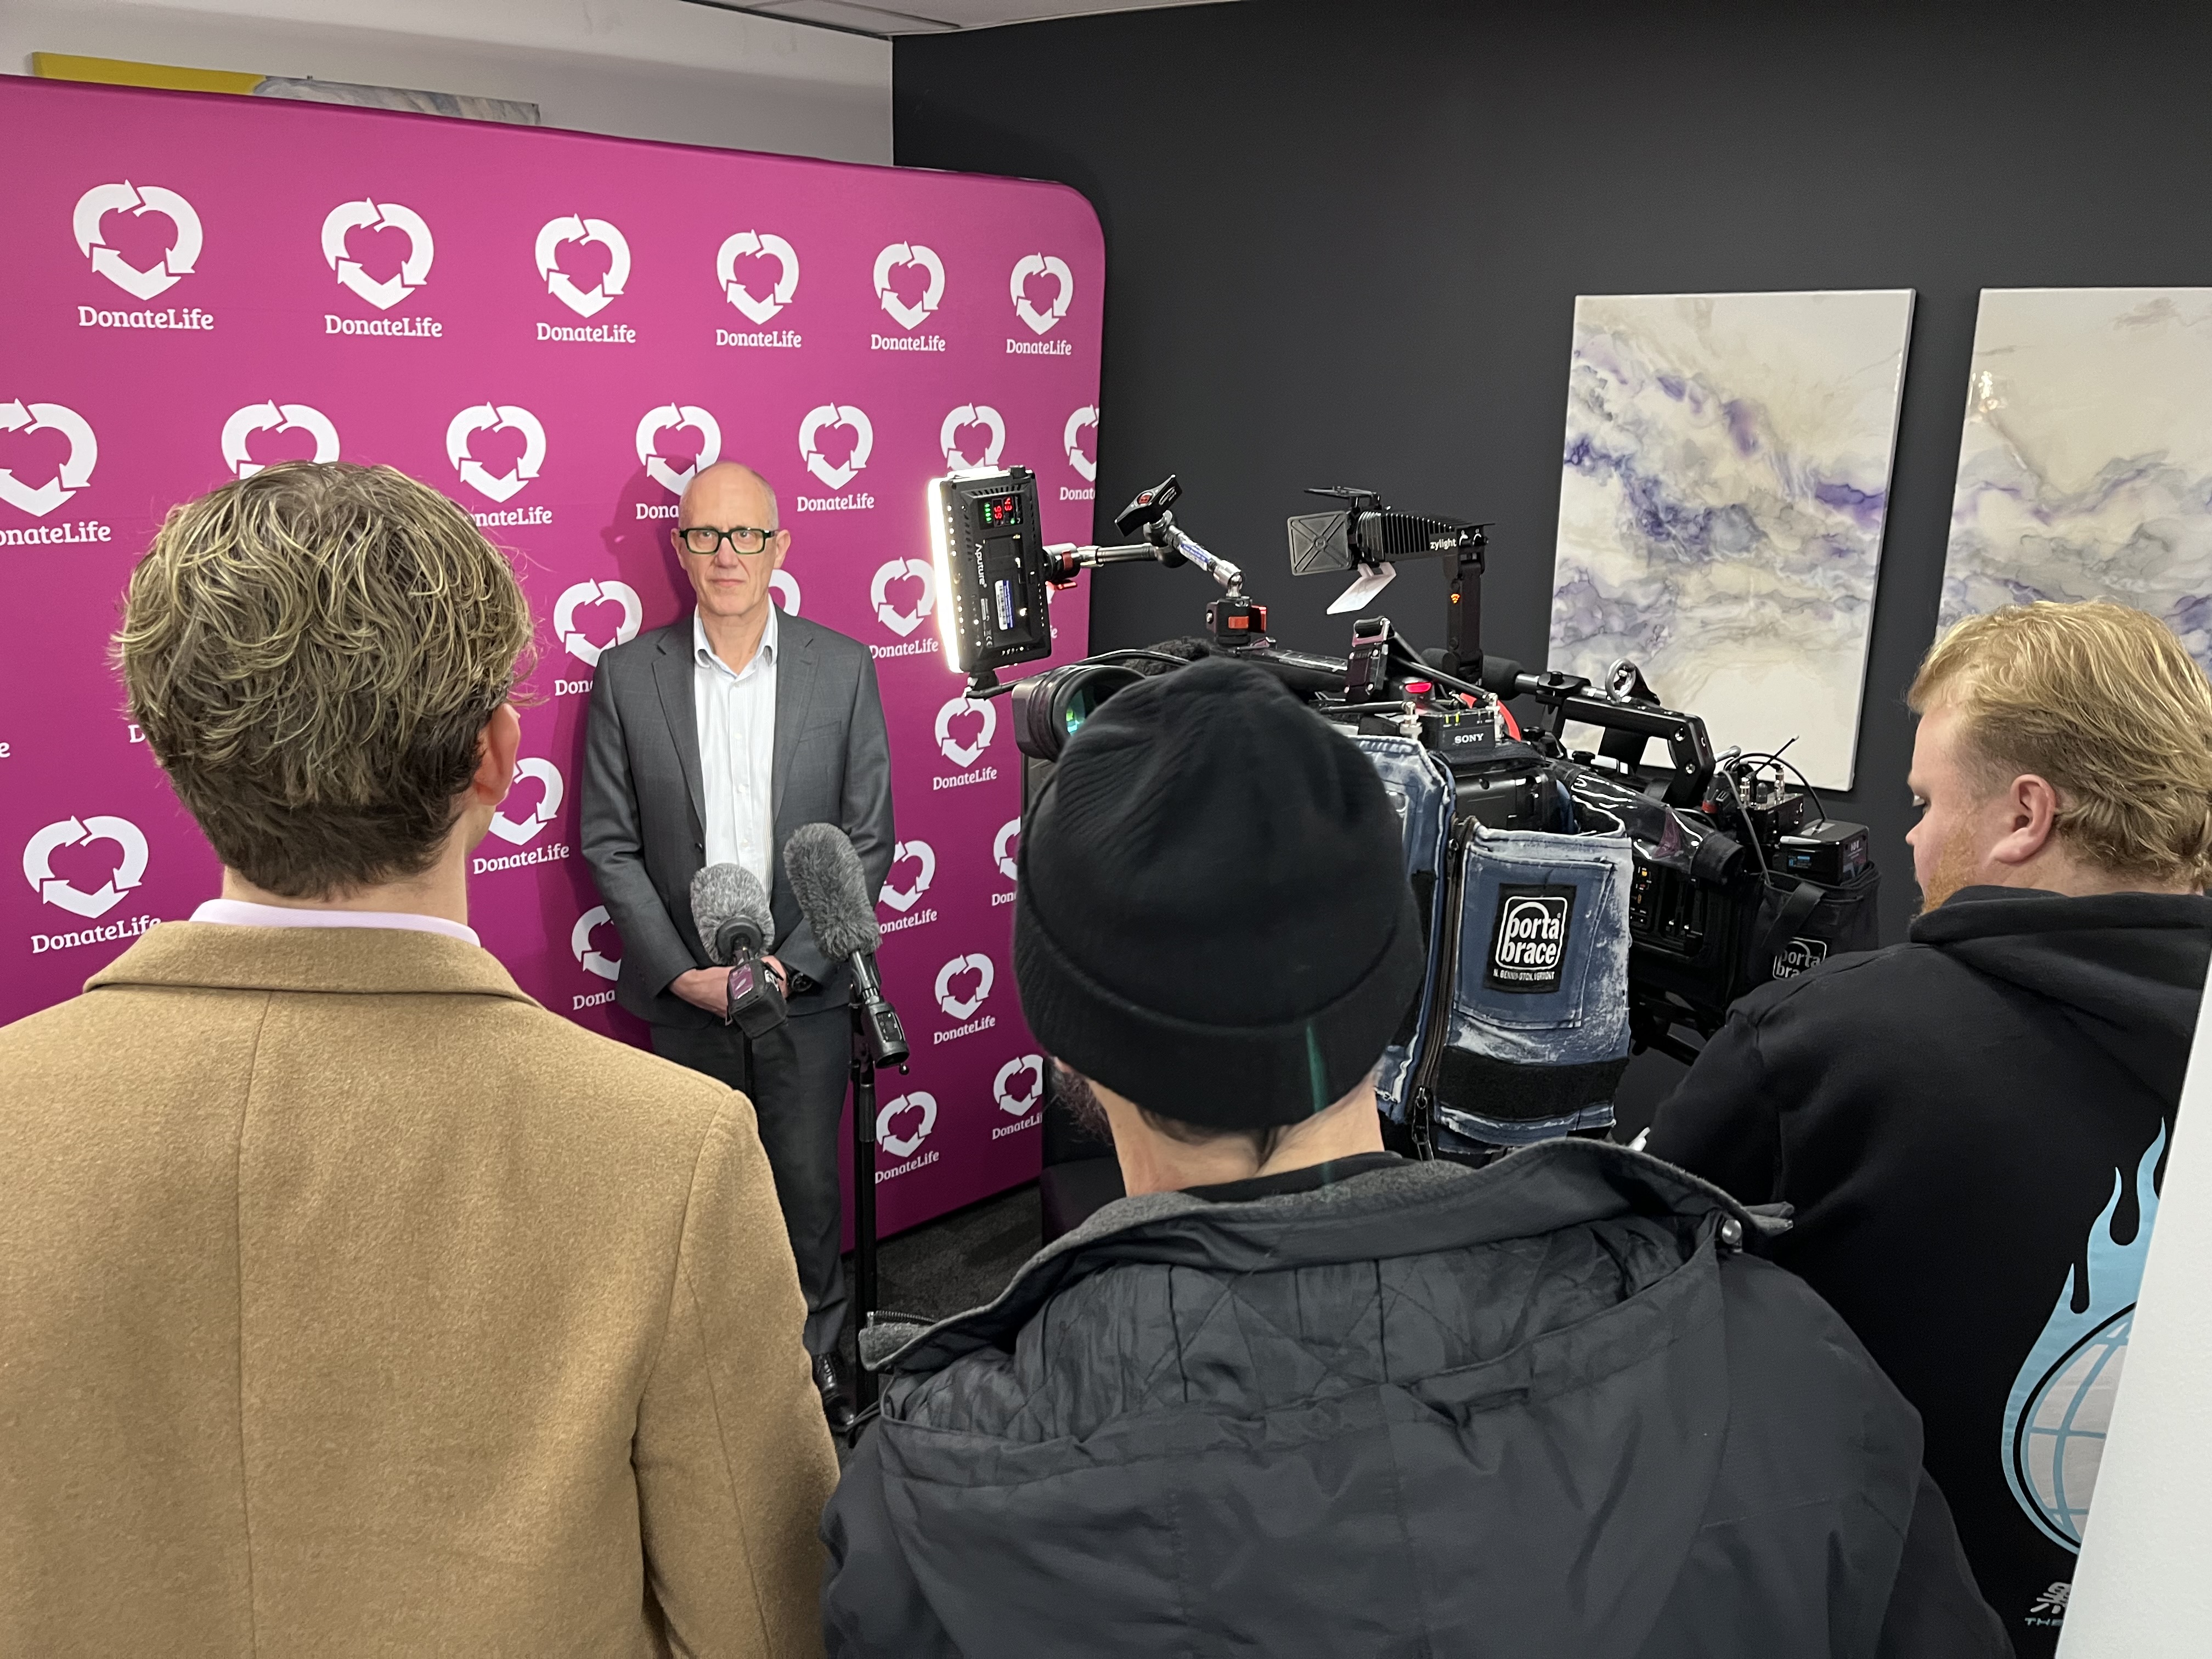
column 879, row 1041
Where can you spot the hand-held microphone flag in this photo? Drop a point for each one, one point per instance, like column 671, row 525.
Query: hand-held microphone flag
column 735, row 925
column 834, row 897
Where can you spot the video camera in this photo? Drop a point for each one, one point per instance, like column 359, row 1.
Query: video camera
column 1738, row 874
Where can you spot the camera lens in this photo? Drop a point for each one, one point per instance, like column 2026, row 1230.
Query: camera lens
column 1051, row 707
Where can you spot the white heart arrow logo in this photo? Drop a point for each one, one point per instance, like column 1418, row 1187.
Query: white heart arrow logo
column 921, row 854
column 75, row 471
column 39, row 870
column 564, row 617
column 1043, row 264
column 957, row 1007
column 903, row 1147
column 414, row 271
column 765, row 244
column 576, row 228
column 580, row 944
column 904, row 253
column 495, row 417
column 274, row 417
column 521, row 832
column 1018, row 1105
column 657, row 421
column 1071, row 437
column 946, row 715
column 902, row 623
column 810, row 431
column 184, row 252
column 972, row 415
column 1002, row 848
column 783, row 588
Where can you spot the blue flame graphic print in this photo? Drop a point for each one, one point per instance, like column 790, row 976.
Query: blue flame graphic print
column 2061, row 1400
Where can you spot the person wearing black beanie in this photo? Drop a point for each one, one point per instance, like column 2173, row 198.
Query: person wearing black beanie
column 1295, row 1394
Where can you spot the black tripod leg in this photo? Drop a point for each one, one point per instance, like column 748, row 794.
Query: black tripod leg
column 864, row 1203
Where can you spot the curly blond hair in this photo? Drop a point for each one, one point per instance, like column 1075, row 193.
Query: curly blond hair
column 2104, row 703
column 313, row 652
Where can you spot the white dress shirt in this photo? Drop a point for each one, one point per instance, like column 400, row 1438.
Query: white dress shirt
column 238, row 913
column 735, row 710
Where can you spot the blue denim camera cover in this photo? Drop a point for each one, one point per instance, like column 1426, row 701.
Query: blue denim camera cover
column 1422, row 793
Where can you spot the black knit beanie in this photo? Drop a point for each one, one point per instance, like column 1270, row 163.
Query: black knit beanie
column 1212, row 918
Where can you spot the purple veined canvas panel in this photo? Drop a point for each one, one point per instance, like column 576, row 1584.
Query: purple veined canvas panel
column 555, row 330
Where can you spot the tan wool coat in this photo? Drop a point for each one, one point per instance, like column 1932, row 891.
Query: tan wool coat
column 351, row 1303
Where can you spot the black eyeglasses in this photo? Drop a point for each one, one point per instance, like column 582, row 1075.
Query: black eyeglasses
column 706, row 541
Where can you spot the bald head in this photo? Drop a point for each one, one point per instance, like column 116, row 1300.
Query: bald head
column 726, row 494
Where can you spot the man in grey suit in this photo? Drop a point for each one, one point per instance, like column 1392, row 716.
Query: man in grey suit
column 709, row 741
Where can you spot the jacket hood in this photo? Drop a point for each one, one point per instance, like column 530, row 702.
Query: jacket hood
column 2126, row 969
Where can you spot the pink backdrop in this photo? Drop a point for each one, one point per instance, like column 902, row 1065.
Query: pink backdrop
column 553, row 329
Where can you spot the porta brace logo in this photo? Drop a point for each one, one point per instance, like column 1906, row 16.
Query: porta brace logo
column 1529, row 947
column 925, row 858
column 273, row 416
column 962, row 1007
column 1041, row 265
column 414, row 271
column 564, row 617
column 909, row 317
column 495, row 417
column 963, row 755
column 520, row 832
column 982, row 415
column 900, row 621
column 39, row 870
column 810, row 434
column 1071, row 440
column 655, row 422
column 904, row 1146
column 586, row 302
column 748, row 244
column 76, row 469
column 1002, row 1087
column 580, row 944
column 184, row 251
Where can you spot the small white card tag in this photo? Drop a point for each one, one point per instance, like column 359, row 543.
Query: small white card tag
column 1370, row 583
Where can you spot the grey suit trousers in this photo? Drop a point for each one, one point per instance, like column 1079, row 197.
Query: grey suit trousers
column 798, row 1089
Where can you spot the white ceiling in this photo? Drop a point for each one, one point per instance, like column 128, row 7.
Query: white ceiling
column 886, row 18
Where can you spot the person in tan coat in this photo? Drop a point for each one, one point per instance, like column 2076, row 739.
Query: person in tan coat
column 350, row 1302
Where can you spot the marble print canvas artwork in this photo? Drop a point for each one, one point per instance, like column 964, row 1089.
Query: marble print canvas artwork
column 1725, row 488
column 2086, row 469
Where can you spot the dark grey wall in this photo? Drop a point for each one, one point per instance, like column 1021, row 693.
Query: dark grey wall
column 1344, row 243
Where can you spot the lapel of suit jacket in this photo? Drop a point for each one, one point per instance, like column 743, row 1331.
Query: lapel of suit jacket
column 794, row 689
column 672, row 667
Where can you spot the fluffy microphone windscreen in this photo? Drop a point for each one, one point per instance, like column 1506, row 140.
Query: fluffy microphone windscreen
column 832, row 890
column 722, row 893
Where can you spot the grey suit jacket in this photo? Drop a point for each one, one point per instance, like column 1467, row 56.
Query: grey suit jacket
column 642, row 834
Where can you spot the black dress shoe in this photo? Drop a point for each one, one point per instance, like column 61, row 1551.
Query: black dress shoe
column 836, row 1397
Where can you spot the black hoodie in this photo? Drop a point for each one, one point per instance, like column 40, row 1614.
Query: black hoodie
column 1972, row 1127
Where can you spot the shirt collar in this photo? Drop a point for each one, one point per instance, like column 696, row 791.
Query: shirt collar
column 238, row 913
column 703, row 653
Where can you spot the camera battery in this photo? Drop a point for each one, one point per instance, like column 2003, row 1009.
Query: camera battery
column 1824, row 851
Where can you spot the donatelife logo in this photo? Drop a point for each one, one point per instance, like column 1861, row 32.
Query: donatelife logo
column 586, row 302
column 1041, row 265
column 1004, row 852
column 495, row 417
column 573, row 640
column 903, row 1147
column 1528, row 945
column 901, row 620
column 748, row 244
column 274, row 417
column 965, row 754
column 184, row 251
column 657, row 421
column 579, row 945
column 1071, row 438
column 783, row 588
column 39, row 870
column 909, row 317
column 810, row 428
column 924, row 859
column 963, row 985
column 982, row 415
column 520, row 832
column 75, row 471
column 413, row 269
column 1020, row 1085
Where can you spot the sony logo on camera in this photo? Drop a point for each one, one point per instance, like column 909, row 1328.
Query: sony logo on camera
column 1528, row 944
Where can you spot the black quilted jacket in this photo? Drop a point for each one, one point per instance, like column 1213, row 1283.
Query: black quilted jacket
column 1543, row 1408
